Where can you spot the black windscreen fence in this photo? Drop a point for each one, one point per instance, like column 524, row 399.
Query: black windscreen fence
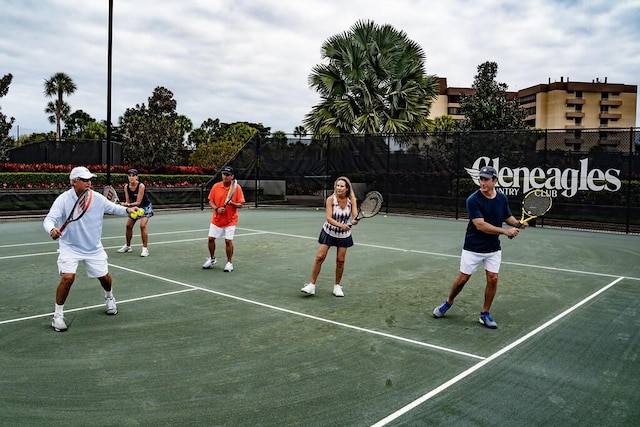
column 592, row 174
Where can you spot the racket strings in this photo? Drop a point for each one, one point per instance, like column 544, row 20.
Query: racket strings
column 82, row 204
column 370, row 205
column 537, row 204
column 110, row 194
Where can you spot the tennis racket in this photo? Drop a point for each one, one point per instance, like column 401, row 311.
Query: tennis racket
column 79, row 208
column 370, row 206
column 230, row 193
column 111, row 194
column 535, row 203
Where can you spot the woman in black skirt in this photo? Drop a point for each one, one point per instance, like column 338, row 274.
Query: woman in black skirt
column 341, row 210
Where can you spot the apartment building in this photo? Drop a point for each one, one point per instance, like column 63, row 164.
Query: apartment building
column 559, row 105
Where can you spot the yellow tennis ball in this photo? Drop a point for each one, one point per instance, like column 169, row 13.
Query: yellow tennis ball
column 140, row 212
column 317, row 209
column 385, row 216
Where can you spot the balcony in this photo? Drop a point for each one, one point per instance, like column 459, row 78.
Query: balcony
column 611, row 102
column 610, row 116
column 574, row 114
column 575, row 101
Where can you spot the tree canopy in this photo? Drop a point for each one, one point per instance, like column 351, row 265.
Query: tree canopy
column 220, row 143
column 489, row 108
column 150, row 135
column 6, row 123
column 374, row 81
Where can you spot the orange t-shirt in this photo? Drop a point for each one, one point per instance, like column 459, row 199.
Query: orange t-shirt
column 218, row 195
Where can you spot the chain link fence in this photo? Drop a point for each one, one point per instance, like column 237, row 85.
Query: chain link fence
column 592, row 174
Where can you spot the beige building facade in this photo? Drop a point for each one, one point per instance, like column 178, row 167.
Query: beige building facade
column 559, row 105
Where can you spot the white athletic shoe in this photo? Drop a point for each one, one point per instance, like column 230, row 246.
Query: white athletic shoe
column 145, row 252
column 111, row 306
column 337, row 291
column 228, row 267
column 58, row 324
column 209, row 263
column 124, row 249
column 309, row 289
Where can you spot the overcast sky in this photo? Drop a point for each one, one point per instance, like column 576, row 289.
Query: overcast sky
column 249, row 60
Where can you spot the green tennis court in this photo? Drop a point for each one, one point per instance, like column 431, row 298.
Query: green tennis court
column 203, row 347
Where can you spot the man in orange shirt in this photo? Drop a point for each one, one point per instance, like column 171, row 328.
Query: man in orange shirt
column 224, row 218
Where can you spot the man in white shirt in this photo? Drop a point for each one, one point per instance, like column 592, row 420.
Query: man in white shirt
column 81, row 241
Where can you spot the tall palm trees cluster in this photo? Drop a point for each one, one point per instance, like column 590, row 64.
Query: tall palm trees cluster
column 56, row 87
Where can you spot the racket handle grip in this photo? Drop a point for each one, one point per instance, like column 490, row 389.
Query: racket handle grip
column 518, row 225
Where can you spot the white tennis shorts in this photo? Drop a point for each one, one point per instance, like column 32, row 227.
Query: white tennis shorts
column 227, row 232
column 96, row 264
column 470, row 261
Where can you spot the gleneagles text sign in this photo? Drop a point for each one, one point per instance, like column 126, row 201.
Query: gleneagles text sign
column 565, row 182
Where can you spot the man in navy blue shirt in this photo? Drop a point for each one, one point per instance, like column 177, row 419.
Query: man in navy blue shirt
column 487, row 209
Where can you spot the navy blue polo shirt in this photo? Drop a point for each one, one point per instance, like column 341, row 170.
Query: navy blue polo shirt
column 494, row 211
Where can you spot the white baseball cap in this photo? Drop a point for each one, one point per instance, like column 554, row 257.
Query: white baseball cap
column 81, row 172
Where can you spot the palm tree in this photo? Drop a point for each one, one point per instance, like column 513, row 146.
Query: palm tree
column 56, row 86
column 300, row 132
column 374, row 82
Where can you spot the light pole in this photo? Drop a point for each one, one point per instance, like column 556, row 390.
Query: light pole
column 109, row 43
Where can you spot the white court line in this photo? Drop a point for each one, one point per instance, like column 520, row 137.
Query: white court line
column 53, row 242
column 415, row 251
column 490, row 359
column 167, row 242
column 297, row 313
column 272, row 307
column 255, row 232
column 20, row 319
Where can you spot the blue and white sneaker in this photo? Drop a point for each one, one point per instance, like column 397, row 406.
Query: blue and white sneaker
column 487, row 320
column 441, row 310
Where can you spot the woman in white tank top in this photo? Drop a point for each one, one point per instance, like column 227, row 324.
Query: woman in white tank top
column 341, row 210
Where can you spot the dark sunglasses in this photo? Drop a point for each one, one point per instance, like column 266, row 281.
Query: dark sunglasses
column 226, row 173
column 84, row 179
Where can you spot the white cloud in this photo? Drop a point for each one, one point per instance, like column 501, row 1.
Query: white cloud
column 250, row 59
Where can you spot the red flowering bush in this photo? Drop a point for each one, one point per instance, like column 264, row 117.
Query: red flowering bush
column 49, row 167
